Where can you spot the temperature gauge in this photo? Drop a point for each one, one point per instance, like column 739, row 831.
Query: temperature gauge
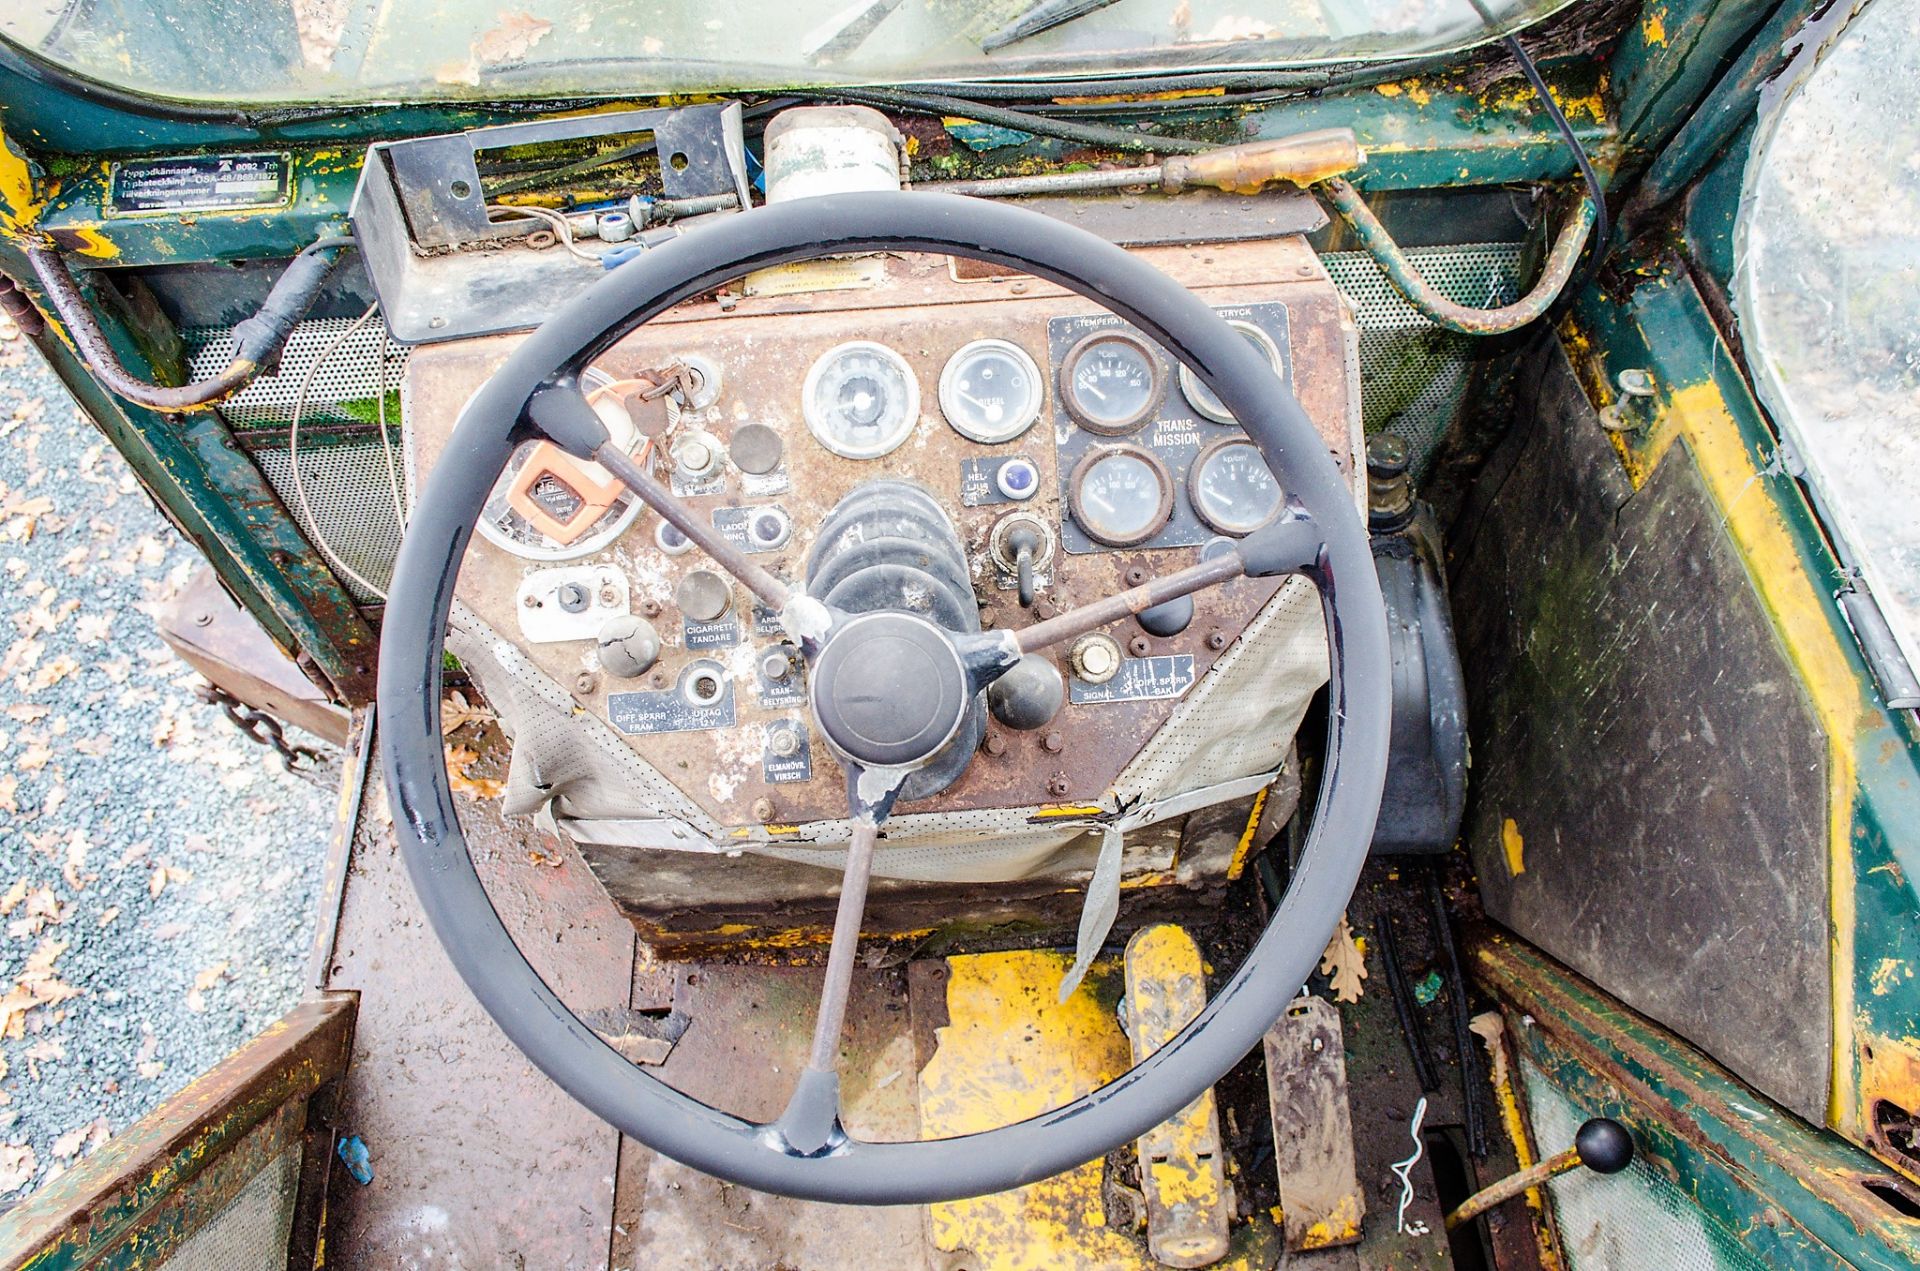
column 1111, row 382
column 1232, row 489
column 860, row 400
column 1120, row 495
column 1203, row 398
column 990, row 391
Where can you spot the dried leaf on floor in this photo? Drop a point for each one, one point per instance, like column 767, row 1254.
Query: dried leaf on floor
column 18, row 1165
column 1344, row 963
column 1489, row 1027
column 459, row 759
column 456, row 711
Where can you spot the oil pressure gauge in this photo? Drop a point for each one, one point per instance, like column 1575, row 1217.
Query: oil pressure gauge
column 1203, row 398
column 860, row 400
column 1120, row 495
column 1110, row 382
column 1231, row 488
column 990, row 391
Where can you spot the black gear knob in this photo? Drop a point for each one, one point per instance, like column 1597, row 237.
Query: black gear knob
column 1604, row 1145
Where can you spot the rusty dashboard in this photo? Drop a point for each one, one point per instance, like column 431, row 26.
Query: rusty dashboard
column 1013, row 403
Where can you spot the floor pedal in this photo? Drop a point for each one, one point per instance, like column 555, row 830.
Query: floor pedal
column 1313, row 1126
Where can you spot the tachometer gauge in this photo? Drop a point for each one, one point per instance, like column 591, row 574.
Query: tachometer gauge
column 1232, row 489
column 1111, row 382
column 861, row 400
column 548, row 505
column 1120, row 495
column 990, row 391
column 1203, row 398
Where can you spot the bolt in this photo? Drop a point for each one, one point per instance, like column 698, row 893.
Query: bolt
column 650, row 608
column 608, row 596
column 1058, row 786
column 996, row 744
column 203, row 620
column 1139, row 646
column 1136, row 576
column 585, row 682
column 531, row 601
column 1019, row 287
column 1054, row 743
column 659, row 679
column 1216, row 640
column 763, row 809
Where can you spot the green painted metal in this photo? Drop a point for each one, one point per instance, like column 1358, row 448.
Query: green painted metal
column 1790, row 1192
column 1668, row 58
column 218, row 498
column 1712, row 204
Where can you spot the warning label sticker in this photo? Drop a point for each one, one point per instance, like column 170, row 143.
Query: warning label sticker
column 200, row 183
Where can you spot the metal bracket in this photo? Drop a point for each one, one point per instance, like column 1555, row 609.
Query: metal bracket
column 1313, row 1126
column 420, row 204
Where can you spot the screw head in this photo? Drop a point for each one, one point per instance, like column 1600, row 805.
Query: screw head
column 608, row 596
column 1139, row 646
column 1216, row 640
column 1057, row 786
column 763, row 809
column 1136, row 576
column 1054, row 742
column 650, row 608
column 996, row 744
column 585, row 682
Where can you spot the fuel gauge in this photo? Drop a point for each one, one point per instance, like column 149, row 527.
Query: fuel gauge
column 1120, row 495
column 1232, row 489
column 990, row 391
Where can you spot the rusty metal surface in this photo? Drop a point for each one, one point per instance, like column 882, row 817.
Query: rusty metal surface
column 745, row 1046
column 223, row 642
column 350, row 823
column 1313, row 1126
column 478, row 1159
column 144, row 1188
column 766, row 345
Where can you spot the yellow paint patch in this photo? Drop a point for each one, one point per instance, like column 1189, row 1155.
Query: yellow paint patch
column 1341, row 1227
column 1888, row 974
column 18, row 208
column 94, row 244
column 1515, row 847
column 1244, row 847
column 1654, row 27
column 1388, row 90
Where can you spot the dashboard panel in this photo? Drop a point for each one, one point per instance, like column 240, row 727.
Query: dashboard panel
column 1013, row 403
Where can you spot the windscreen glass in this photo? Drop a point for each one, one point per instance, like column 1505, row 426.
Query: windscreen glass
column 360, row 50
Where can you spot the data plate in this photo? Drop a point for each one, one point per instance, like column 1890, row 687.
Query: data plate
column 674, row 710
column 200, row 183
column 723, row 634
column 1138, row 680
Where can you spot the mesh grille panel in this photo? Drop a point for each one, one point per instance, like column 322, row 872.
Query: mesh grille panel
column 1414, row 375
column 1636, row 1220
column 347, row 492
column 251, row 1233
column 348, row 377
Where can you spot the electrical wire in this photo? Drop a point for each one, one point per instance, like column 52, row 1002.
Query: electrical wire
column 562, row 228
column 1602, row 223
column 293, row 454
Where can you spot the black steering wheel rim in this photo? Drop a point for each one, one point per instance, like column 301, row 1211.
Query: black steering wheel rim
column 632, row 1099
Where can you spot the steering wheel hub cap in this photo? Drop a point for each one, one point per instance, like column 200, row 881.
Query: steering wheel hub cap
column 889, row 690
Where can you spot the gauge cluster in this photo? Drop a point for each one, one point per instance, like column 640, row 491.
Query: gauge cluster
column 1149, row 456
column 1066, row 453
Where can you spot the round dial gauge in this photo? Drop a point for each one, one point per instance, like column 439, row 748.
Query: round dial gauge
column 1120, row 495
column 549, row 506
column 860, row 400
column 990, row 391
column 1203, row 398
column 1232, row 489
column 1111, row 382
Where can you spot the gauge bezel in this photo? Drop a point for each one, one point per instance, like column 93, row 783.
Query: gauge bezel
column 1156, row 392
column 1193, row 390
column 1077, row 479
column 624, row 432
column 950, row 372
column 819, row 368
column 1206, row 456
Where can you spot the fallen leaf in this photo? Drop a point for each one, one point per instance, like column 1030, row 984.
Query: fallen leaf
column 158, row 883
column 211, row 976
column 26, row 712
column 456, row 711
column 1490, row 1029
column 9, row 787
column 1344, row 964
column 109, row 915
column 459, row 759
column 14, row 895
column 18, row 1165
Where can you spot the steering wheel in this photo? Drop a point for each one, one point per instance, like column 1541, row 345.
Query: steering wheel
column 806, row 1153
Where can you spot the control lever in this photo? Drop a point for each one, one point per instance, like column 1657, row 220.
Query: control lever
column 1025, row 543
column 1602, row 1145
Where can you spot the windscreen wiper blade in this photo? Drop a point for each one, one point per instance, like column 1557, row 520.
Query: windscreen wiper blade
column 1043, row 16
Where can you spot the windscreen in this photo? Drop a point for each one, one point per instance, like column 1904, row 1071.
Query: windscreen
column 307, row 51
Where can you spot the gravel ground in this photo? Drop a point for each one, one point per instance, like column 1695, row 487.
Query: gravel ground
column 158, row 872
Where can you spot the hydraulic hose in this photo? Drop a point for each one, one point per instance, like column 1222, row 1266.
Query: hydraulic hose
column 257, row 340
